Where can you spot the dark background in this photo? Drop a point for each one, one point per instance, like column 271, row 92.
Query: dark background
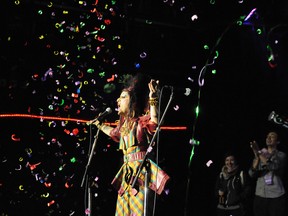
column 242, row 86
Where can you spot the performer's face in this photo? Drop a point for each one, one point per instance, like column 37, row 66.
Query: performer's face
column 123, row 103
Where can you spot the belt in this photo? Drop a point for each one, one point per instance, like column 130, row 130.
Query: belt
column 134, row 156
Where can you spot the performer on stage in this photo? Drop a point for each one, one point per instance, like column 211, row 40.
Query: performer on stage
column 137, row 110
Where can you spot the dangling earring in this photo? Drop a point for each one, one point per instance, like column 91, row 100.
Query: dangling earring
column 133, row 114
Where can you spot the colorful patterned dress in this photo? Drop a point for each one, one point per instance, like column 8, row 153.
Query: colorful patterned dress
column 134, row 144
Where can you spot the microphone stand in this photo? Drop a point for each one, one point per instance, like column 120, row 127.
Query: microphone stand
column 86, row 177
column 149, row 149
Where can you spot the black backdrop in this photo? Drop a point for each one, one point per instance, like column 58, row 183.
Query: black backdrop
column 155, row 37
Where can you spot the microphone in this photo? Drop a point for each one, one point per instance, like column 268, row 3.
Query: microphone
column 101, row 115
column 185, row 91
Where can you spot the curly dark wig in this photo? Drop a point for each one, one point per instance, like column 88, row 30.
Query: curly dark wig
column 137, row 87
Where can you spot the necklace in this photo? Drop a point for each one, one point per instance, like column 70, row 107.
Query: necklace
column 126, row 127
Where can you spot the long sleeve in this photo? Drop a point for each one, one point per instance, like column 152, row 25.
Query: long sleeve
column 269, row 176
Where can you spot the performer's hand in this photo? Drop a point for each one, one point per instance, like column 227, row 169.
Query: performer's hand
column 97, row 123
column 153, row 87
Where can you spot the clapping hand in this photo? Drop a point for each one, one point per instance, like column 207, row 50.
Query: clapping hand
column 255, row 148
